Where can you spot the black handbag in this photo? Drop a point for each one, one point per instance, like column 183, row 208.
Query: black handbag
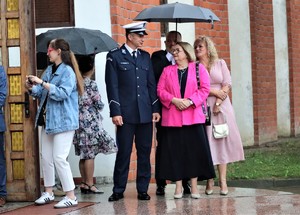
column 206, row 111
column 208, row 116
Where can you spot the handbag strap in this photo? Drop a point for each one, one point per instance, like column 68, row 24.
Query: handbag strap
column 198, row 83
column 197, row 75
column 224, row 117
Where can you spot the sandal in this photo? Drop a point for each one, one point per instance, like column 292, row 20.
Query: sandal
column 83, row 189
column 96, row 191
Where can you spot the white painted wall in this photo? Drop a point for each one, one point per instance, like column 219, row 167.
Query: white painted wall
column 95, row 15
column 282, row 67
column 240, row 56
column 187, row 30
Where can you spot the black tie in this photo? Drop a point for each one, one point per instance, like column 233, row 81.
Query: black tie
column 133, row 55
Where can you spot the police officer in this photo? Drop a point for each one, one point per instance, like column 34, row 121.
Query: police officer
column 131, row 91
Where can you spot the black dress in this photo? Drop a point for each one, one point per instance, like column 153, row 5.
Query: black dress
column 185, row 150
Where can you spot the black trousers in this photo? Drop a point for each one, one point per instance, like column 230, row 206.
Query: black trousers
column 142, row 133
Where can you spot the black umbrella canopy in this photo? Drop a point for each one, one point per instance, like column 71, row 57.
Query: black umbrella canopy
column 177, row 12
column 82, row 41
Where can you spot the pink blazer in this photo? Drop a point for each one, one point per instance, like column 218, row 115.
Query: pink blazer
column 168, row 88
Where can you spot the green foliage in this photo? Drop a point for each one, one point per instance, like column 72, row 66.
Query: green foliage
column 279, row 161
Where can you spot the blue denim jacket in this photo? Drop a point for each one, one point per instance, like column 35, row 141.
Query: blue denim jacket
column 62, row 112
column 3, row 92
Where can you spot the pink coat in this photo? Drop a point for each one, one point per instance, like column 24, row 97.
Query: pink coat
column 168, row 88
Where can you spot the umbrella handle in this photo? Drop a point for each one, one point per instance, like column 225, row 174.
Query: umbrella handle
column 212, row 22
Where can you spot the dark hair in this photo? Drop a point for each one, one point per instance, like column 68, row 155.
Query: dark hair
column 68, row 57
column 85, row 62
column 174, row 32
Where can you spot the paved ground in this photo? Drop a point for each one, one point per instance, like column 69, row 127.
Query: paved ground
column 242, row 201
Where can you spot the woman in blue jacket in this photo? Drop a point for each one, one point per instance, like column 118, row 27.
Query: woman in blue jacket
column 58, row 115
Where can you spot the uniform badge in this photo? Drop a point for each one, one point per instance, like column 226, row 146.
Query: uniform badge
column 115, row 49
column 124, row 63
column 109, row 58
column 123, row 51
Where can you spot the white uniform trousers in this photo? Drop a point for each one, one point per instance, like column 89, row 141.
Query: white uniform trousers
column 55, row 150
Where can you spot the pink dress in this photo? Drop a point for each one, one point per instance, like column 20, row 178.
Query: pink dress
column 229, row 149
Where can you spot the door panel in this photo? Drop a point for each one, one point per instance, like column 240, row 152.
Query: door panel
column 18, row 58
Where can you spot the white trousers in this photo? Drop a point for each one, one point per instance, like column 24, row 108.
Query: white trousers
column 55, row 150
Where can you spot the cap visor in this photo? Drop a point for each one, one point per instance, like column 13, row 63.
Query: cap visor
column 141, row 33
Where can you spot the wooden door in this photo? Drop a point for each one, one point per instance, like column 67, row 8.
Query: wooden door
column 18, row 58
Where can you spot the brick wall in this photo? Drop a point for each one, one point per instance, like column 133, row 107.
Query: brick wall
column 263, row 71
column 220, row 33
column 293, row 20
column 122, row 13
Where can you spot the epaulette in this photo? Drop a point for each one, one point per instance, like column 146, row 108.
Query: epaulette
column 142, row 50
column 114, row 49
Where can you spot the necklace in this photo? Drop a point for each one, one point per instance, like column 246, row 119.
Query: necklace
column 181, row 72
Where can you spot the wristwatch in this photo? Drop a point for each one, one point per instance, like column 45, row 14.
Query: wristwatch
column 218, row 104
column 191, row 102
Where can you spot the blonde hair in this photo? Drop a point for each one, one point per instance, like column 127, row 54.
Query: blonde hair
column 188, row 50
column 212, row 53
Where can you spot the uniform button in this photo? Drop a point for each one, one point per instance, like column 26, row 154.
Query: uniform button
column 138, row 77
column 138, row 95
column 137, row 68
column 138, row 86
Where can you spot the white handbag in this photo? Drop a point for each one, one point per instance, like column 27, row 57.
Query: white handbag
column 220, row 130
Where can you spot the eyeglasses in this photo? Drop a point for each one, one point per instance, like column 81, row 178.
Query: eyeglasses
column 50, row 50
column 173, row 51
column 198, row 46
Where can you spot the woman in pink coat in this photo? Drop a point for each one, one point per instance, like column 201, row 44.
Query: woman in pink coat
column 185, row 148
column 228, row 149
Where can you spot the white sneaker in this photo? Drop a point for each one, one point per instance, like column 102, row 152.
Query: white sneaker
column 66, row 202
column 45, row 198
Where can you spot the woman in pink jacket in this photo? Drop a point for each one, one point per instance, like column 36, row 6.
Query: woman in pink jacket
column 185, row 148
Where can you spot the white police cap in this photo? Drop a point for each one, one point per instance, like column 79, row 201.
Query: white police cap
column 136, row 27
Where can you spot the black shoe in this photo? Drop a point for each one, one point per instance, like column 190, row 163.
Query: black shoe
column 160, row 191
column 115, row 197
column 186, row 188
column 143, row 196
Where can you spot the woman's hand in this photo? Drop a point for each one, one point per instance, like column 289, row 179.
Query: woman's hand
column 181, row 104
column 221, row 94
column 33, row 80
column 216, row 109
column 28, row 83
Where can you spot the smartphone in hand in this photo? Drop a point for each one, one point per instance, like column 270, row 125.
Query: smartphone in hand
column 30, row 81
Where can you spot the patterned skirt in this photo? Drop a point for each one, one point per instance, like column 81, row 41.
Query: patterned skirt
column 88, row 146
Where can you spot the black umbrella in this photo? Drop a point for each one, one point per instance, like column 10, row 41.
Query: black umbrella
column 82, row 41
column 178, row 13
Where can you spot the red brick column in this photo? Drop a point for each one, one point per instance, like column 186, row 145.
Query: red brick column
column 220, row 33
column 293, row 19
column 122, row 13
column 263, row 71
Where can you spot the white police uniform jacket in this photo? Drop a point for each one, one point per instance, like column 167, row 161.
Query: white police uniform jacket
column 131, row 86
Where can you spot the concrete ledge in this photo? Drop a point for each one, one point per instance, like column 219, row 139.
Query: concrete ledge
column 267, row 183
